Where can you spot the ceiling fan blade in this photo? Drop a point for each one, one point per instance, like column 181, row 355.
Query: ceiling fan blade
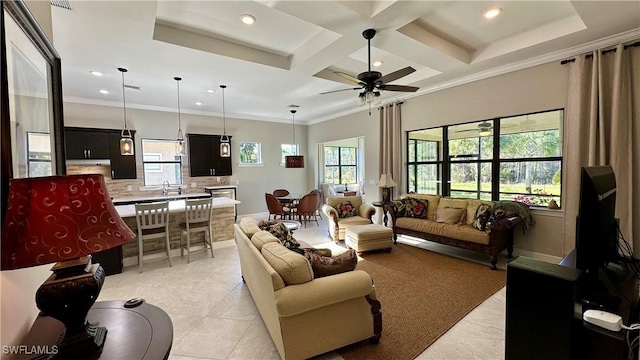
column 395, row 75
column 333, row 91
column 348, row 77
column 398, row 88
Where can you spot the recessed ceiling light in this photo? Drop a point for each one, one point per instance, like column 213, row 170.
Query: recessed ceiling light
column 210, row 91
column 248, row 19
column 491, row 13
column 103, row 91
column 377, row 63
column 198, row 103
column 96, row 73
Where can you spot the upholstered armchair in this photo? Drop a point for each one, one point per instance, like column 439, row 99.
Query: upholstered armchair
column 345, row 211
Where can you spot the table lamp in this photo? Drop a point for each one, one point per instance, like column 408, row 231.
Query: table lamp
column 64, row 219
column 386, row 183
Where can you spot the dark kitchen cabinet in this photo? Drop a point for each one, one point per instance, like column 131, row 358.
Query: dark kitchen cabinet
column 122, row 166
column 86, row 144
column 204, row 156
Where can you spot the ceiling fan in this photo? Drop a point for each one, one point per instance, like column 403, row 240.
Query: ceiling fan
column 371, row 82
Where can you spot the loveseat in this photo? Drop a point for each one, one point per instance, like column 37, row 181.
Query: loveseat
column 305, row 316
column 458, row 222
column 345, row 211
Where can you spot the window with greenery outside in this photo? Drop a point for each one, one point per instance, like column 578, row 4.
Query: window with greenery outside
column 160, row 162
column 250, row 153
column 340, row 165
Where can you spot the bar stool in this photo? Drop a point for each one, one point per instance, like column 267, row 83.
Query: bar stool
column 153, row 222
column 197, row 218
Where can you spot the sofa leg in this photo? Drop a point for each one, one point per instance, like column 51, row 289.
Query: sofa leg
column 395, row 238
column 494, row 260
column 377, row 319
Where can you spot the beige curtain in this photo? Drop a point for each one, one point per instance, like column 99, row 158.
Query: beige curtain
column 391, row 143
column 603, row 128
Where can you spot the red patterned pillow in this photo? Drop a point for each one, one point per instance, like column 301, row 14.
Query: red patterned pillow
column 412, row 207
column 346, row 209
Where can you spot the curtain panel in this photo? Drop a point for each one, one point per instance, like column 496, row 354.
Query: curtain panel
column 603, row 128
column 391, row 143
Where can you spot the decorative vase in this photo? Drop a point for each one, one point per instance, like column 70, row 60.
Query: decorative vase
column 553, row 204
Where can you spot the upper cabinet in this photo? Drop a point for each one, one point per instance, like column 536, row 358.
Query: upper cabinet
column 100, row 144
column 204, row 156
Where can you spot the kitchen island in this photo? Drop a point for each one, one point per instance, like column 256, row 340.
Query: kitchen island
column 222, row 220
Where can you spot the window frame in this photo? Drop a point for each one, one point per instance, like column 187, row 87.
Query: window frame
column 160, row 162
column 283, row 153
column 340, row 166
column 444, row 165
column 31, row 160
column 258, row 146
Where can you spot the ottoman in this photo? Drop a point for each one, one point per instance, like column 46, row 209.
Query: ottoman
column 369, row 237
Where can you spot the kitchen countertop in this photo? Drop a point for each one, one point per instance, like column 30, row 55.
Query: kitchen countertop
column 155, row 198
column 175, row 205
column 220, row 187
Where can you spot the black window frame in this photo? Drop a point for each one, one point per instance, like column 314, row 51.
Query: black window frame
column 340, row 166
column 179, row 162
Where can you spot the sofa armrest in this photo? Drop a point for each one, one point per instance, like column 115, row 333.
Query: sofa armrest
column 296, row 299
column 366, row 211
column 331, row 212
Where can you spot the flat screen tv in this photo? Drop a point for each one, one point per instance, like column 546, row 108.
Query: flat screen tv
column 596, row 227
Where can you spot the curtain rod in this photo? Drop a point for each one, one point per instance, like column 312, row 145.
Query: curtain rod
column 604, row 52
column 399, row 103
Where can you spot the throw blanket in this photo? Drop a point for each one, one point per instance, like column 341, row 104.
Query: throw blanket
column 519, row 208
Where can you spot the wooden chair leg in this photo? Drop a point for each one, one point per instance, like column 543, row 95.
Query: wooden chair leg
column 188, row 246
column 140, row 253
column 168, row 245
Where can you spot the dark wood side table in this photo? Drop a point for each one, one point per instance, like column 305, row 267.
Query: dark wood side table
column 141, row 332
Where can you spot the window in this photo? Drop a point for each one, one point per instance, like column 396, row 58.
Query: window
column 340, row 165
column 510, row 158
column 160, row 162
column 250, row 153
column 288, row 149
column 39, row 154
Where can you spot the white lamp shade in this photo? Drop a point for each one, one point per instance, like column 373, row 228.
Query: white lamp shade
column 386, row 181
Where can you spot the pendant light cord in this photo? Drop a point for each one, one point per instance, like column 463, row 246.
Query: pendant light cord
column 124, row 103
column 177, row 79
column 293, row 128
column 224, row 137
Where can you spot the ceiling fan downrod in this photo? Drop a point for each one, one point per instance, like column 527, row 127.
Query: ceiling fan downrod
column 369, row 34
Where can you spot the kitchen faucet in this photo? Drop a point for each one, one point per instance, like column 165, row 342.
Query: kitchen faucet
column 165, row 187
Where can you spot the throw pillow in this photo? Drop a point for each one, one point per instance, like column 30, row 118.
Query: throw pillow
column 346, row 209
column 415, row 208
column 450, row 215
column 483, row 213
column 282, row 233
column 326, row 266
column 495, row 216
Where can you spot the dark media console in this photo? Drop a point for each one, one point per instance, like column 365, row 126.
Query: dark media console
column 545, row 303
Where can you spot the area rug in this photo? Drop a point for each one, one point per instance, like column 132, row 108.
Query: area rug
column 423, row 294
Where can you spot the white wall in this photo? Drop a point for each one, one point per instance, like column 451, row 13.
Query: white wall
column 539, row 88
column 252, row 181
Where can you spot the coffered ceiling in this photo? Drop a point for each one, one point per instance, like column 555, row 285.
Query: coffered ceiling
column 289, row 55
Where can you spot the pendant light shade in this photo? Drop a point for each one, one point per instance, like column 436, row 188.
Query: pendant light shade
column 180, row 148
column 294, row 161
column 126, row 141
column 225, row 145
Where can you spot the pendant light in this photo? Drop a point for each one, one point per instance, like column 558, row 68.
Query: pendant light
column 126, row 141
column 180, row 148
column 225, row 146
column 294, row 161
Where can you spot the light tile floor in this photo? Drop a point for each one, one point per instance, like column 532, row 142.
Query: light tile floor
column 214, row 316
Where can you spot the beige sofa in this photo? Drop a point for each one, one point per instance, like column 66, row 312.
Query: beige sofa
column 462, row 234
column 305, row 316
column 336, row 225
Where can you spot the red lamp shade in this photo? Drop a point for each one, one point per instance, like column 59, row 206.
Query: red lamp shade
column 58, row 218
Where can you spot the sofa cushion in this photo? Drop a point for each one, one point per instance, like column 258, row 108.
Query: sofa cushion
column 472, row 208
column 433, row 202
column 354, row 220
column 291, row 266
column 455, row 231
column 412, row 207
column 450, row 215
column 346, row 209
column 262, row 237
column 454, row 203
column 249, row 226
column 331, row 265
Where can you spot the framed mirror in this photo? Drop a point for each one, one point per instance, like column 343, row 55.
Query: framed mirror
column 32, row 136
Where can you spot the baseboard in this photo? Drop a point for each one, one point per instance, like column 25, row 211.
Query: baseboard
column 133, row 260
column 255, row 215
column 538, row 256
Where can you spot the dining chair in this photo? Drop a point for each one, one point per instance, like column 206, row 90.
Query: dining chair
column 282, row 192
column 307, row 208
column 276, row 208
column 197, row 218
column 152, row 220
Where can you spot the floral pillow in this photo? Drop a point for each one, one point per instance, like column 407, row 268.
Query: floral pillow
column 412, row 207
column 346, row 209
column 282, row 233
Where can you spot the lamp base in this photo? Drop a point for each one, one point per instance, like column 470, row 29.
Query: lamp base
column 67, row 295
column 386, row 194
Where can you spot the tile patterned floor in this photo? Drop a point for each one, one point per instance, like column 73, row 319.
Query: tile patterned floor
column 214, row 316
